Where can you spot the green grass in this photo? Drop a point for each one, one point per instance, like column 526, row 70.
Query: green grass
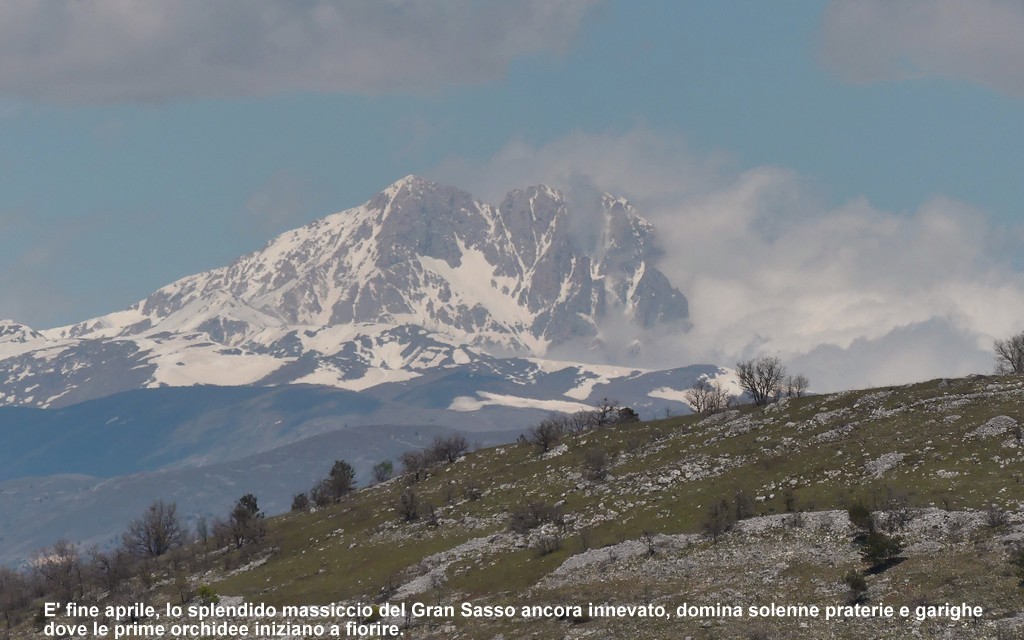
column 353, row 549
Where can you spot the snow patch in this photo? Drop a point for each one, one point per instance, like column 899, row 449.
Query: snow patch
column 486, row 398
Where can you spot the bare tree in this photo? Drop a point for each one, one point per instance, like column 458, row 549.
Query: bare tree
column 719, row 520
column 707, row 397
column 415, row 463
column 448, row 449
column 111, row 570
column 202, row 529
column 156, row 532
column 579, row 422
column 545, row 434
column 1010, row 354
column 321, row 494
column 15, row 596
column 761, row 378
column 796, row 386
column 606, row 412
column 60, row 570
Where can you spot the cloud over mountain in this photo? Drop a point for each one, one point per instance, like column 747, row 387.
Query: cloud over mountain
column 770, row 267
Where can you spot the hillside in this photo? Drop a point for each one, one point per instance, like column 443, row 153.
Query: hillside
column 939, row 462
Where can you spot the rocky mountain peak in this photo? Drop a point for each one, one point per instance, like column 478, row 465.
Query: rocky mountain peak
column 420, row 275
column 12, row 331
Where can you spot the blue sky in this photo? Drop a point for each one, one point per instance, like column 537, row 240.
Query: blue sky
column 140, row 146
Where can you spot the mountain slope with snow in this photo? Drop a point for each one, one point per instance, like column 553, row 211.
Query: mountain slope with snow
column 421, row 276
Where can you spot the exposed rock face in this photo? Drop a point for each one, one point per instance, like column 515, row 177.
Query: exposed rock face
column 425, row 254
column 419, row 259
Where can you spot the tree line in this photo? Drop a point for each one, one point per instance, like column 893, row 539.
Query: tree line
column 157, row 542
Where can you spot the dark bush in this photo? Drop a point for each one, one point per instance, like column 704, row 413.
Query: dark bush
column 533, row 515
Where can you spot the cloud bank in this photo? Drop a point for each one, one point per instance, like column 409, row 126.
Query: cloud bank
column 123, row 50
column 852, row 295
column 981, row 41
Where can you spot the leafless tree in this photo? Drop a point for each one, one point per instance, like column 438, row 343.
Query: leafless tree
column 606, row 412
column 707, row 397
column 15, row 596
column 796, row 386
column 579, row 422
column 156, row 532
column 719, row 520
column 532, row 515
column 60, row 570
column 545, row 434
column 448, row 449
column 1010, row 354
column 415, row 463
column 321, row 493
column 112, row 569
column 761, row 378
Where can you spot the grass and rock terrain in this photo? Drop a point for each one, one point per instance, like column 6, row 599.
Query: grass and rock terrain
column 746, row 507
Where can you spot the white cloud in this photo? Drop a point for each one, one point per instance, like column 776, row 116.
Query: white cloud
column 852, row 294
column 981, row 41
column 114, row 50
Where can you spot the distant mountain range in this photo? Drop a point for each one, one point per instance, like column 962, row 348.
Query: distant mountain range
column 422, row 308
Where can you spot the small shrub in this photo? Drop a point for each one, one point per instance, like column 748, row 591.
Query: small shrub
column 408, row 508
column 586, row 539
column 880, row 549
column 449, row 493
column 546, row 545
column 996, row 517
column 627, row 415
column 743, row 505
column 596, row 464
column 789, row 500
column 383, row 470
column 647, row 537
column 432, row 518
column 1017, row 564
column 533, row 515
column 719, row 520
column 860, row 517
column 207, row 595
column 300, row 502
column 857, row 584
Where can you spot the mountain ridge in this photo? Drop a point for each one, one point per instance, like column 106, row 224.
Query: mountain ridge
column 420, row 276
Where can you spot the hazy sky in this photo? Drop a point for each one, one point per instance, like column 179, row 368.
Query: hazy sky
column 837, row 182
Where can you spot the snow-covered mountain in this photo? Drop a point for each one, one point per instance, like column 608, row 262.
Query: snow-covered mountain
column 420, row 278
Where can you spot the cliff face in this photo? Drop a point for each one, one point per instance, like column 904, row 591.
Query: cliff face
column 421, row 276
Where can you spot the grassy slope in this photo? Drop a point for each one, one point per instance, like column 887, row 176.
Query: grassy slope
column 666, row 474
